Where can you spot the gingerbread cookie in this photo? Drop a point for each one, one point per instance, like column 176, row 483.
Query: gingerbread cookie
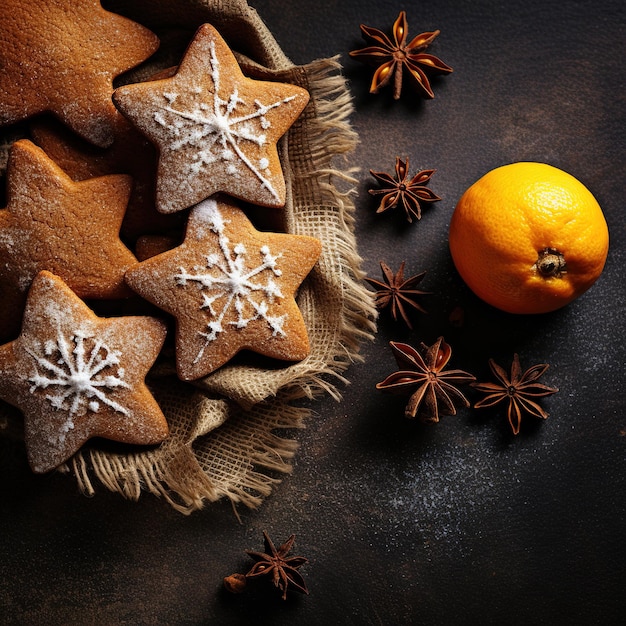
column 61, row 56
column 230, row 288
column 76, row 376
column 216, row 129
column 69, row 228
column 130, row 153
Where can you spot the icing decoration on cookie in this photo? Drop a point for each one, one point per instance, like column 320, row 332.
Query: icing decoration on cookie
column 230, row 288
column 231, row 283
column 61, row 56
column 77, row 371
column 216, row 129
column 69, row 228
column 76, row 376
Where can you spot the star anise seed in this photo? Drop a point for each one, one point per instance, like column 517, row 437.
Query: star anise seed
column 422, row 374
column 397, row 292
column 277, row 565
column 518, row 388
column 235, row 583
column 395, row 57
column 409, row 192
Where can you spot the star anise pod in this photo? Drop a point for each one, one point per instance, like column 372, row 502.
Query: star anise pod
column 397, row 291
column 402, row 189
column 394, row 57
column 518, row 388
column 433, row 389
column 281, row 568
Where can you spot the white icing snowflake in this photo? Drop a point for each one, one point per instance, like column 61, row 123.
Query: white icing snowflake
column 234, row 284
column 216, row 129
column 78, row 372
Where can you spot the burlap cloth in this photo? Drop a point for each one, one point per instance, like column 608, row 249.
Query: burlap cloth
column 230, row 431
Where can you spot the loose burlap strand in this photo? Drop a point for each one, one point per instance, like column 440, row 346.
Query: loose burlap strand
column 223, row 441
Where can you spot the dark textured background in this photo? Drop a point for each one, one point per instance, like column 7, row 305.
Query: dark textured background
column 460, row 523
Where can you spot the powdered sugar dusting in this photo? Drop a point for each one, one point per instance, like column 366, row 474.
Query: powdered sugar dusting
column 232, row 283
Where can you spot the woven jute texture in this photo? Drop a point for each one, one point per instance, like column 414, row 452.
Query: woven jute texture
column 228, row 430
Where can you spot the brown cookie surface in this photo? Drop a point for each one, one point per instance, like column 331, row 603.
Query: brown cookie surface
column 68, row 228
column 230, row 288
column 130, row 153
column 61, row 56
column 76, row 376
column 216, row 129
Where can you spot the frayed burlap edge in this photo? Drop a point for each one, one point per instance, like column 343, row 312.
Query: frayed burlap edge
column 177, row 470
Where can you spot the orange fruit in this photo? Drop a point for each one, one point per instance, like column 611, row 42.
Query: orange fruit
column 528, row 238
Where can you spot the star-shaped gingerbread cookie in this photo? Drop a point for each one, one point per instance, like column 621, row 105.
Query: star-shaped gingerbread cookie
column 230, row 288
column 68, row 228
column 61, row 56
column 130, row 153
column 216, row 129
column 76, row 376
